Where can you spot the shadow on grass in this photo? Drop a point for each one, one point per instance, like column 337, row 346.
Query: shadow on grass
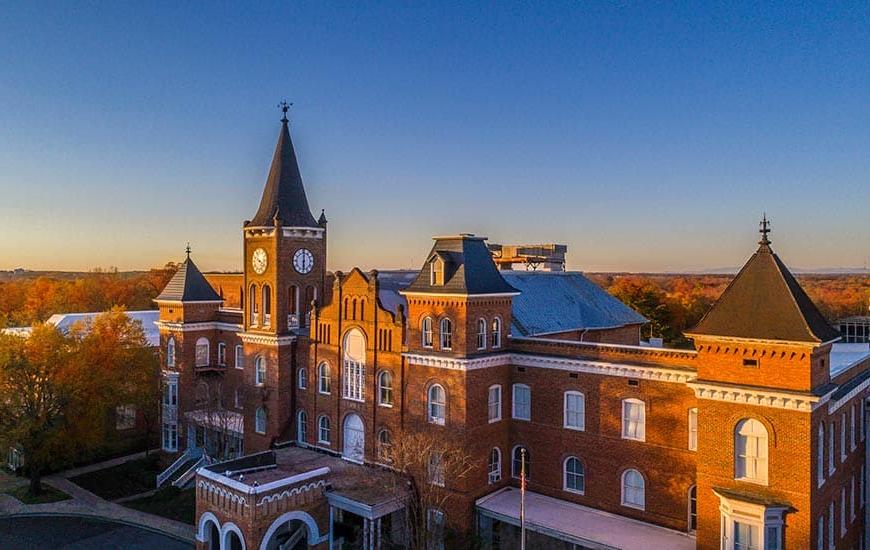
column 48, row 494
column 124, row 480
column 168, row 502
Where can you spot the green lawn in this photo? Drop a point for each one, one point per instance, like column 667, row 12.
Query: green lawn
column 48, row 494
column 169, row 502
column 124, row 480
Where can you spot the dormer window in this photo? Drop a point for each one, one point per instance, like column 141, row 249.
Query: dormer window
column 436, row 272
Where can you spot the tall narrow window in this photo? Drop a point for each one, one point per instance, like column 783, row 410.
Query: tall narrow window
column 843, row 438
column 436, row 468
column 202, row 352
column 831, row 448
column 260, row 420
column 255, row 311
column 240, row 357
column 323, row 430
column 852, row 498
column 820, row 535
column 222, row 354
column 842, row 511
column 494, row 403
column 437, row 404
column 170, row 352
column 302, row 427
column 521, row 403
column 446, row 334
column 260, row 371
column 575, row 411
column 481, row 334
column 693, row 509
column 426, row 331
column 518, row 461
column 323, row 381
column 385, row 446
column 633, row 419
column 574, row 478
column 496, row 333
column 354, row 375
column 293, row 306
column 303, row 378
column 436, row 272
column 852, row 425
column 693, row 429
column 267, row 305
column 831, row 525
column 746, row 536
column 633, row 490
column 494, row 466
column 750, row 451
column 385, row 389
column 820, row 455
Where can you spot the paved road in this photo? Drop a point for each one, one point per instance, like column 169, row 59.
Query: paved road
column 75, row 533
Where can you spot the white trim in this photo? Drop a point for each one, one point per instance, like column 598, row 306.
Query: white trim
column 761, row 397
column 457, row 295
column 226, row 530
column 500, row 395
column 453, row 363
column 314, row 535
column 267, row 339
column 565, row 476
column 582, row 426
column 622, row 500
column 514, row 401
column 200, row 533
column 190, row 327
column 661, row 374
column 266, row 487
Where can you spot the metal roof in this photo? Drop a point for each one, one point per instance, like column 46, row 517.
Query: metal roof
column 468, row 268
column 188, row 285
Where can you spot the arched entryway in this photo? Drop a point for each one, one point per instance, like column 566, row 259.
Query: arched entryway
column 212, row 536
column 354, row 438
column 292, row 531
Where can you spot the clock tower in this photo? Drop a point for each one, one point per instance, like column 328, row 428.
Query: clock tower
column 285, row 266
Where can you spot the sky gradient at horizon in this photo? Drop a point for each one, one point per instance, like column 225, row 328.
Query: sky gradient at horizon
column 647, row 138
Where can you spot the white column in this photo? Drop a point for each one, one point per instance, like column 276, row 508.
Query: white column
column 331, row 522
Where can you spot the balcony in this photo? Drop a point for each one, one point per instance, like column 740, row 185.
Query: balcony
column 210, row 367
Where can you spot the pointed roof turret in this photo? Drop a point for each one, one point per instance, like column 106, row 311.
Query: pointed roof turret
column 765, row 302
column 284, row 192
column 188, row 285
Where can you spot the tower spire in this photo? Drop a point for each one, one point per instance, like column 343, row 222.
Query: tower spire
column 764, row 229
column 187, row 250
column 284, row 108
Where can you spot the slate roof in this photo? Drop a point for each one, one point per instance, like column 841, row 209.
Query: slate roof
column 560, row 301
column 284, row 193
column 468, row 268
column 765, row 302
column 188, row 285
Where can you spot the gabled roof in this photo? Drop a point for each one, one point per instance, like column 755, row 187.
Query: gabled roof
column 188, row 285
column 284, row 194
column 468, row 268
column 765, row 302
column 560, row 301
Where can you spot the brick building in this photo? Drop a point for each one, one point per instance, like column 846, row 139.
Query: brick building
column 287, row 386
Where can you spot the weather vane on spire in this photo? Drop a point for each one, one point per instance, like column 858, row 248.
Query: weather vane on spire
column 764, row 229
column 284, row 108
column 187, row 249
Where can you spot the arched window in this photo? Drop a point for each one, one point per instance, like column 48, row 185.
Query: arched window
column 302, row 427
column 170, row 352
column 693, row 508
column 260, row 371
column 496, row 333
column 436, row 468
column 354, row 309
column 575, row 410
column 494, row 465
column 202, row 393
column 437, row 404
column 323, row 378
column 446, row 330
column 240, row 357
column 633, row 419
column 303, row 378
column 354, row 377
column 267, row 305
column 385, row 446
column 633, row 489
column 426, row 330
column 820, row 455
column 293, row 304
column 481, row 334
column 385, row 389
column 517, row 461
column 255, row 311
column 202, row 352
column 362, row 309
column 260, row 420
column 310, row 296
column 574, row 479
column 323, row 430
column 693, row 429
column 750, row 451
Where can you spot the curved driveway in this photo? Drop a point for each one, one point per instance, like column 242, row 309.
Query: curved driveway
column 68, row 533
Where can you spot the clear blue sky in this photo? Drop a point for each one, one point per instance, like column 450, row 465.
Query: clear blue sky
column 646, row 137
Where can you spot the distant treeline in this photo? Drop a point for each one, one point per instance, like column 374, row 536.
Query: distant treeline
column 675, row 303
column 28, row 298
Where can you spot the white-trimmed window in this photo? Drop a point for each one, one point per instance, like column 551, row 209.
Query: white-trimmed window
column 323, row 378
column 831, row 445
column 426, row 331
column 170, row 352
column 202, row 352
column 574, row 475
column 820, row 534
column 521, row 402
column 842, row 512
column 633, row 489
column 634, row 419
column 852, row 498
column 494, row 466
column 493, row 405
column 435, row 525
column 852, row 425
column 323, row 430
column 302, row 378
column 437, row 404
column 255, row 311
column 436, row 468
column 260, row 420
column 267, row 305
column 575, row 411
column 260, row 370
column 446, row 333
column 170, row 436
column 517, row 461
column 302, row 427
column 354, row 378
column 750, row 451
column 820, row 455
column 693, row 508
column 496, row 333
column 222, row 354
column 385, row 389
column 693, row 429
column 747, row 536
column 481, row 334
column 237, row 398
column 831, row 543
column 385, row 446
column 436, row 272
column 843, row 438
column 170, row 392
column 240, row 357
column 125, row 417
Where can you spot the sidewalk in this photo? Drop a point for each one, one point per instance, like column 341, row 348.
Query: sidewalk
column 85, row 503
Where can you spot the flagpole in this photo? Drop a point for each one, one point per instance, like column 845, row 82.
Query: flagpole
column 523, row 498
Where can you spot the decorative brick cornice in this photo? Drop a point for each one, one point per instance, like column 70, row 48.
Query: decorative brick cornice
column 222, row 492
column 191, row 327
column 793, row 401
column 289, row 494
column 456, row 363
column 265, row 339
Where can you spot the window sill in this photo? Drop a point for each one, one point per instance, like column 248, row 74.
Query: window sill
column 762, row 482
column 627, row 438
column 324, row 393
column 240, row 368
column 494, row 420
column 386, row 405
column 523, row 419
column 573, row 491
column 319, row 442
column 355, row 400
column 259, row 433
column 575, row 428
column 634, row 506
column 437, row 422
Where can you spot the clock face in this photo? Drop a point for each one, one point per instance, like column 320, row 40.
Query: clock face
column 303, row 260
column 259, row 261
